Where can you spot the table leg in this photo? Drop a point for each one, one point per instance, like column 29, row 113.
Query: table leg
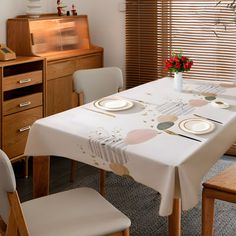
column 174, row 220
column 41, row 176
column 102, row 177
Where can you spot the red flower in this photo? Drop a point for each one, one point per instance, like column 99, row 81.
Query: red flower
column 188, row 65
column 178, row 63
column 183, row 58
column 176, row 59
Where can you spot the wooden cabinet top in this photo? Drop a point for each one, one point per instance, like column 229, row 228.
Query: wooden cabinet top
column 20, row 60
column 49, row 35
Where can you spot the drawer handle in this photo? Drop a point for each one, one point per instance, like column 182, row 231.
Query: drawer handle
column 24, row 128
column 25, row 104
column 23, row 81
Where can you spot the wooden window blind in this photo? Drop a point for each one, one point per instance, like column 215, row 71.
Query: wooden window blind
column 204, row 30
column 147, row 43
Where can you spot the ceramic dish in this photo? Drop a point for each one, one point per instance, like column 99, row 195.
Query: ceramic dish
column 113, row 104
column 220, row 104
column 197, row 126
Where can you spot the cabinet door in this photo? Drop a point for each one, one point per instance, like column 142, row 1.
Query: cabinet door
column 59, row 95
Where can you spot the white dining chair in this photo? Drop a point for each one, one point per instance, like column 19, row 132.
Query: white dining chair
column 93, row 84
column 80, row 211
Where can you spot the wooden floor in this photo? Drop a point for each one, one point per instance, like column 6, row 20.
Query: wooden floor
column 59, row 180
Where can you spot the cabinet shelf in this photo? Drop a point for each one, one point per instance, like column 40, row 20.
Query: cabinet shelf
column 22, row 68
column 21, row 92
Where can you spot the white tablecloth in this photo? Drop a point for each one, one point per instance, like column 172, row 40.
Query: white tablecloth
column 130, row 143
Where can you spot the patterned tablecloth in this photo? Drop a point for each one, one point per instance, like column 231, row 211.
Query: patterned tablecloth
column 134, row 141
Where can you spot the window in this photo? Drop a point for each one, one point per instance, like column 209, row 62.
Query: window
column 204, row 29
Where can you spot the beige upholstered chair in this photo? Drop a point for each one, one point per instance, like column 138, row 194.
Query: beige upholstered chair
column 93, row 84
column 80, row 211
column 97, row 83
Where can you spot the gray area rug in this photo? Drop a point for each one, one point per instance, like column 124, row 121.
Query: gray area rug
column 141, row 205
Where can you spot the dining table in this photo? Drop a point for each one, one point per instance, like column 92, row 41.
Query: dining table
column 162, row 138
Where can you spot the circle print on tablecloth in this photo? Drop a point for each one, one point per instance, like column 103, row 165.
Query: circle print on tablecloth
column 225, row 85
column 119, row 169
column 139, row 136
column 210, row 98
column 197, row 102
column 165, row 125
column 207, row 94
column 166, row 118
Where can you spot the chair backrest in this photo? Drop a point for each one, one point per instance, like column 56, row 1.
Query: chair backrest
column 7, row 184
column 98, row 83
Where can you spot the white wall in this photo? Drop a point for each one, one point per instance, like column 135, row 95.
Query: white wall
column 12, row 8
column 107, row 28
column 107, row 23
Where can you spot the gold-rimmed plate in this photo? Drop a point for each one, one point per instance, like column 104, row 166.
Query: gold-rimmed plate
column 113, row 104
column 197, row 126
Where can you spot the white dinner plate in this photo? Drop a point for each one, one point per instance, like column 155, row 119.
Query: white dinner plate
column 113, row 104
column 197, row 126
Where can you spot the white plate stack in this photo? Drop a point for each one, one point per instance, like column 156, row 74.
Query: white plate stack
column 34, row 8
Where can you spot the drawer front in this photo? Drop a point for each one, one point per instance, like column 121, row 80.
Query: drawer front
column 22, row 80
column 16, row 128
column 22, row 103
column 60, row 69
column 88, row 62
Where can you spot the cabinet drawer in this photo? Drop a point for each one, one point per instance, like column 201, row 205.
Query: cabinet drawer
column 22, row 103
column 88, row 62
column 60, row 68
column 22, row 80
column 16, row 128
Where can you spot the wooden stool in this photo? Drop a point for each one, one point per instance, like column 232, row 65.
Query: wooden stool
column 222, row 187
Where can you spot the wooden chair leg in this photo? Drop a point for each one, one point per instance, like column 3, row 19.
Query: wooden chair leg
column 207, row 214
column 26, row 167
column 73, row 171
column 102, row 176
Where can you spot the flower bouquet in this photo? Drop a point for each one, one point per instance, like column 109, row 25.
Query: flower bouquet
column 178, row 63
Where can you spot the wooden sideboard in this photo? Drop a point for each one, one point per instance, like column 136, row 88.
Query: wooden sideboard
column 22, row 102
column 65, row 44
column 39, row 82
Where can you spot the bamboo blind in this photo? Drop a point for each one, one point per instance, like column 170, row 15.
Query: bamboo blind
column 204, row 30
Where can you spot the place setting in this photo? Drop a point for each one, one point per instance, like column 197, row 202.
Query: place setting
column 111, row 106
column 197, row 125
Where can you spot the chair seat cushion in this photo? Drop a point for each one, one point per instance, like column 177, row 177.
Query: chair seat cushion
column 81, row 211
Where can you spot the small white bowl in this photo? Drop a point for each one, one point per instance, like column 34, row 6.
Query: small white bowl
column 220, row 104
